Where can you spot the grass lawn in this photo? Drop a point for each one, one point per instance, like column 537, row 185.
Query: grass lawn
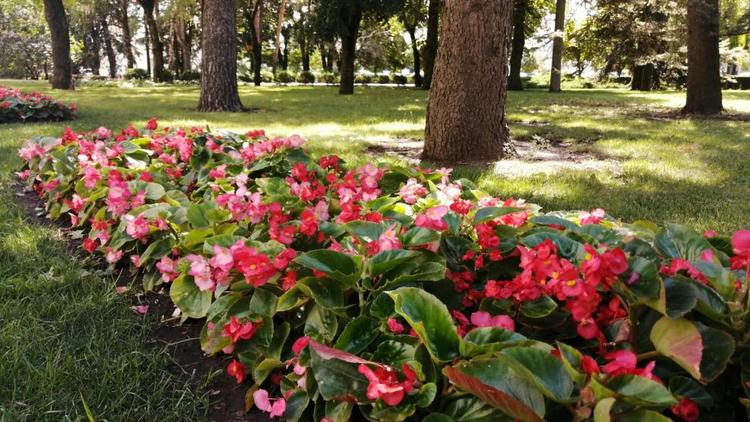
column 65, row 335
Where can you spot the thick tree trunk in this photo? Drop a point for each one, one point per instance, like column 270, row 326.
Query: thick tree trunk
column 466, row 107
column 636, row 81
column 431, row 45
column 279, row 26
column 519, row 41
column 704, row 77
column 62, row 67
column 219, row 67
column 351, row 15
column 557, row 47
column 111, row 56
column 417, row 59
column 127, row 40
column 157, row 47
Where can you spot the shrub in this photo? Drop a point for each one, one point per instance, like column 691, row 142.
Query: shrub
column 348, row 293
column 363, row 79
column 16, row 106
column 190, row 75
column 400, row 79
column 384, row 79
column 285, row 77
column 330, row 78
column 166, row 75
column 136, row 73
column 306, row 77
column 266, row 76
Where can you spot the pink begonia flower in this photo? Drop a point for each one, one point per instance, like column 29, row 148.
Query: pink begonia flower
column 166, row 267
column 741, row 242
column 263, row 403
column 218, row 173
column 412, row 191
column 389, row 241
column 90, row 177
column 201, row 272
column 395, row 326
column 140, row 309
column 593, row 217
column 222, row 259
column 112, row 255
column 484, row 319
column 103, row 133
column 137, row 227
column 432, row 218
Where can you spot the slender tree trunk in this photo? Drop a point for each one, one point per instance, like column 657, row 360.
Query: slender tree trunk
column 157, row 47
column 256, row 30
column 431, row 45
column 351, row 14
column 277, row 43
column 219, row 66
column 111, row 56
column 704, row 77
column 636, row 82
column 466, row 107
column 557, row 48
column 417, row 59
column 62, row 68
column 148, row 49
column 184, row 44
column 91, row 46
column 517, row 45
column 285, row 50
column 127, row 41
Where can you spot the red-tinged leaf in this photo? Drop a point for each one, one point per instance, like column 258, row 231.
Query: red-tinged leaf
column 337, row 375
column 679, row 340
column 497, row 385
column 327, row 353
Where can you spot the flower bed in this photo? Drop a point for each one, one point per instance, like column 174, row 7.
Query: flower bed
column 16, row 106
column 398, row 293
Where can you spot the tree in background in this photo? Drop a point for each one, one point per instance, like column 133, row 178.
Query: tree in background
column 62, row 67
column 527, row 16
column 123, row 20
column 24, row 38
column 704, row 74
column 344, row 18
column 557, row 47
column 431, row 44
column 466, row 106
column 157, row 47
column 413, row 16
column 219, row 90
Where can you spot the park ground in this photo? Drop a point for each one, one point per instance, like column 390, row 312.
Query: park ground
column 68, row 341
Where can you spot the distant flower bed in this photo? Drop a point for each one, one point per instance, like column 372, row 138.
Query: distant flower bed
column 398, row 293
column 16, row 106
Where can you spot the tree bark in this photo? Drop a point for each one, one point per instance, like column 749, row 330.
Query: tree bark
column 256, row 31
column 418, row 81
column 277, row 43
column 431, row 44
column 157, row 47
column 466, row 107
column 351, row 17
column 219, row 66
column 62, row 67
column 704, row 77
column 557, row 47
column 519, row 41
column 127, row 39
column 111, row 56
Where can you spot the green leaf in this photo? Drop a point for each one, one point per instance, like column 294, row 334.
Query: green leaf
column 642, row 415
column 602, row 409
column 337, row 265
column 566, row 246
column 542, row 369
column 688, row 387
column 196, row 215
column 552, row 220
column 430, row 319
column 648, row 285
column 325, row 292
column 394, row 352
column 196, row 237
column 419, row 236
column 154, row 191
column 192, row 302
column 679, row 340
column 640, row 391
column 472, row 409
column 500, row 386
column 263, row 303
column 539, row 308
column 365, row 230
column 296, row 405
column 490, row 213
column 718, row 348
column 681, row 297
column 358, row 334
column 437, row 417
column 337, row 374
column 387, row 260
column 321, row 324
column 485, row 339
column 677, row 241
column 339, row 411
